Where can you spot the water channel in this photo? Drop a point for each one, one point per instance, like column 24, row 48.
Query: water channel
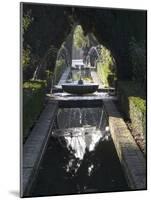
column 80, row 156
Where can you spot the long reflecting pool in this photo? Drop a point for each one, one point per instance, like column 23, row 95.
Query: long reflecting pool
column 80, row 157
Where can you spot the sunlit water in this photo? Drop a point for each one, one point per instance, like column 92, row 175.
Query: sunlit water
column 80, row 157
column 78, row 140
column 85, row 133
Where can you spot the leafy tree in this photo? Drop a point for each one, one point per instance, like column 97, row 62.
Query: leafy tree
column 27, row 20
column 79, row 39
column 137, row 53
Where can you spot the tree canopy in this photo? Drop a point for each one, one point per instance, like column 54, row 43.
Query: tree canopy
column 79, row 39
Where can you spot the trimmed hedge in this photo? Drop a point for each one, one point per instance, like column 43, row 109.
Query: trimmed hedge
column 33, row 101
column 137, row 112
column 133, row 104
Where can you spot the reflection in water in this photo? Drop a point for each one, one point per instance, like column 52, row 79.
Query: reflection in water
column 80, row 157
column 79, row 139
column 78, row 117
column 90, row 168
column 82, row 139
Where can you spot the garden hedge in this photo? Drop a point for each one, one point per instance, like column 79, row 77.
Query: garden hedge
column 137, row 112
column 133, row 104
column 33, row 101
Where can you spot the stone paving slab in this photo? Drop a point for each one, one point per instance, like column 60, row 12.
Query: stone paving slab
column 35, row 146
column 130, row 156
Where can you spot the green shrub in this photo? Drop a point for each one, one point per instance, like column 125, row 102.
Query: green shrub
column 29, row 63
column 79, row 40
column 27, row 20
column 137, row 51
column 106, row 67
column 26, row 57
column 137, row 112
column 34, row 85
column 33, row 100
column 133, row 104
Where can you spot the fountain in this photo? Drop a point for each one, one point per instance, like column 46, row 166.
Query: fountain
column 80, row 87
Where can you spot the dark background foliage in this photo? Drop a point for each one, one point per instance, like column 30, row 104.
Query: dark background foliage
column 50, row 25
column 122, row 31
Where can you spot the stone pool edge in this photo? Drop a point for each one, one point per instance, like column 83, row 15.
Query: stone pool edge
column 132, row 159
column 35, row 146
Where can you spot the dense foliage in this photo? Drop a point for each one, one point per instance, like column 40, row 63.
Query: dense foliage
column 137, row 55
column 106, row 67
column 79, row 40
column 45, row 28
column 133, row 103
column 114, row 29
column 33, row 99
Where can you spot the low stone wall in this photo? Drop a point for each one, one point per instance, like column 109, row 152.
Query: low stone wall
column 35, row 146
column 130, row 156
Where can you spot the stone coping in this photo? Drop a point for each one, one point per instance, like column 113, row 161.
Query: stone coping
column 67, row 97
column 35, row 146
column 130, row 156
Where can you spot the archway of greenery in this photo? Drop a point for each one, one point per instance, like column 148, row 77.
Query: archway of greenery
column 113, row 28
column 119, row 36
column 95, row 55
